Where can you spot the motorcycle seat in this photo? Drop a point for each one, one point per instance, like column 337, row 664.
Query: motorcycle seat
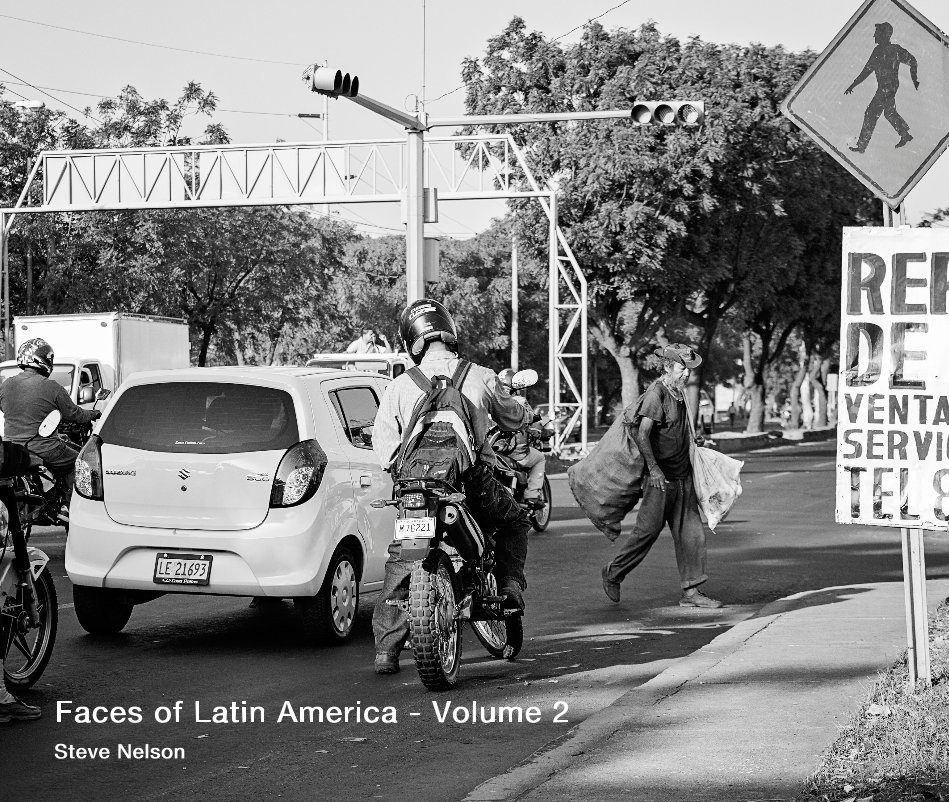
column 35, row 462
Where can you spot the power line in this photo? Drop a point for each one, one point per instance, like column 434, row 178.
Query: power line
column 61, row 102
column 555, row 39
column 114, row 97
column 151, row 44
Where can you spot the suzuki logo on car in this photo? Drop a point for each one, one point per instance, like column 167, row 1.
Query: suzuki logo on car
column 184, row 473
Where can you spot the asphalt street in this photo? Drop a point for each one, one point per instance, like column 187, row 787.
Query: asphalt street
column 581, row 653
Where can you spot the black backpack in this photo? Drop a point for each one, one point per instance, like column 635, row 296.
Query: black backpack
column 438, row 442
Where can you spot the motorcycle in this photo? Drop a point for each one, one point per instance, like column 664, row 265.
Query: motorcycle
column 28, row 604
column 45, row 496
column 510, row 473
column 452, row 581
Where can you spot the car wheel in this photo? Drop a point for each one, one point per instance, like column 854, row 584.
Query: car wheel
column 329, row 617
column 101, row 611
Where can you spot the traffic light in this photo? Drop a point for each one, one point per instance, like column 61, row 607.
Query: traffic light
column 669, row 112
column 334, row 83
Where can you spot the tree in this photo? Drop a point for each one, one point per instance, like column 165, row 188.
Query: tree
column 665, row 223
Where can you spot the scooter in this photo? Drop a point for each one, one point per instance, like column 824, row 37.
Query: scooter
column 28, row 604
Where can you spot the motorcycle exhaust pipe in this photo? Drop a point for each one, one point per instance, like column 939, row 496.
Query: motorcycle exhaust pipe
column 462, row 531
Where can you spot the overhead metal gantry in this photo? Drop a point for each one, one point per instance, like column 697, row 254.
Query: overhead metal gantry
column 489, row 166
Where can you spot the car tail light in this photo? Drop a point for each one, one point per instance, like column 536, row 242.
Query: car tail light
column 298, row 475
column 89, row 469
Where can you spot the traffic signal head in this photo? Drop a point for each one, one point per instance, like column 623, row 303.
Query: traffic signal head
column 669, row 112
column 334, row 83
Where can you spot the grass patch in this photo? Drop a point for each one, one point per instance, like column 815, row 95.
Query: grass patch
column 897, row 746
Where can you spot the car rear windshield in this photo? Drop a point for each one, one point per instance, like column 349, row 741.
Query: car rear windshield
column 202, row 418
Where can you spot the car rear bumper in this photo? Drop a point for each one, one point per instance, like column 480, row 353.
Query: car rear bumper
column 286, row 556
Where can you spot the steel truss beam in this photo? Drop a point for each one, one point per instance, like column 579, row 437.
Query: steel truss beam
column 362, row 171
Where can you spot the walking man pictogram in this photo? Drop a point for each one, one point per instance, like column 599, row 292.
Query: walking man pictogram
column 884, row 62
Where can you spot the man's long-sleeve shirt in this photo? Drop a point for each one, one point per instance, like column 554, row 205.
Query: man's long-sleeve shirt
column 490, row 400
column 27, row 398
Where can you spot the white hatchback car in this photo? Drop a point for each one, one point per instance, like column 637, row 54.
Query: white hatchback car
column 232, row 481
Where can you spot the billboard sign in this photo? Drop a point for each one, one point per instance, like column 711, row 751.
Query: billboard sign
column 893, row 389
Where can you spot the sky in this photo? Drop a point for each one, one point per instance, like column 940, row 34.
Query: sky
column 252, row 54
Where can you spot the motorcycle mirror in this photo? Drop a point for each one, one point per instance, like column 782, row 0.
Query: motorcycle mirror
column 103, row 394
column 49, row 424
column 524, row 378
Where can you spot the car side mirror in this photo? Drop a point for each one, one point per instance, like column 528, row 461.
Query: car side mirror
column 366, row 435
column 86, row 395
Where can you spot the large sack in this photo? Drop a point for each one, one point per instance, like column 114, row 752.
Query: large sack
column 717, row 482
column 608, row 482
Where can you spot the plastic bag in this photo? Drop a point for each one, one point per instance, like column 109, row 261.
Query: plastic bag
column 717, row 482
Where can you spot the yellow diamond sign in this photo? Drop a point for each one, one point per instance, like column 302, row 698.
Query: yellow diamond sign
column 877, row 98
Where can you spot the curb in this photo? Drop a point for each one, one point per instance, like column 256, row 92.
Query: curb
column 560, row 753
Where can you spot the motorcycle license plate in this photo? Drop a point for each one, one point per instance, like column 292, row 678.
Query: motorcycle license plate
column 411, row 528
column 182, row 569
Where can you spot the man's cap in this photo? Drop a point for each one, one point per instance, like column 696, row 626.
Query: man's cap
column 885, row 26
column 680, row 353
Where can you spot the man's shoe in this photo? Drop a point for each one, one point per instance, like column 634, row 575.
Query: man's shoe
column 18, row 711
column 904, row 140
column 695, row 598
column 513, row 595
column 387, row 664
column 859, row 148
column 610, row 588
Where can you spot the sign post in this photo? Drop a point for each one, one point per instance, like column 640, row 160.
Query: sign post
column 877, row 101
column 893, row 420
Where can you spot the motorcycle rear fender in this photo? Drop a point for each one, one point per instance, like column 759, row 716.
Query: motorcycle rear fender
column 416, row 548
column 8, row 576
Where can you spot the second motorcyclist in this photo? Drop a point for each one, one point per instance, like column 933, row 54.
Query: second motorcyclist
column 527, row 457
column 27, row 398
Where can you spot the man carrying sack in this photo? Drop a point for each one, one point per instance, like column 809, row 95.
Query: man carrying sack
column 656, row 436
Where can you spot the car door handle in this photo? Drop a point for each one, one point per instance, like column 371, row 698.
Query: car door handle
column 365, row 480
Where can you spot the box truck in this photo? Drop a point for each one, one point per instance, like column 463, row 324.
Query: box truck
column 101, row 350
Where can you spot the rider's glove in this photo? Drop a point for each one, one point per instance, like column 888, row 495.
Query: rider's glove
column 96, row 414
column 16, row 459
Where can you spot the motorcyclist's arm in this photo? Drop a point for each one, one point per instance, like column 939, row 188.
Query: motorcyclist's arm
column 72, row 413
column 387, row 429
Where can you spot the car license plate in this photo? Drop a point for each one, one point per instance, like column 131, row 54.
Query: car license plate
column 182, row 569
column 410, row 528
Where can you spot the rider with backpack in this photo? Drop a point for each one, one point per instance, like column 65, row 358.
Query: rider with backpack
column 425, row 396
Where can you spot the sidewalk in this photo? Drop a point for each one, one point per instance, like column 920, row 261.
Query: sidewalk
column 747, row 717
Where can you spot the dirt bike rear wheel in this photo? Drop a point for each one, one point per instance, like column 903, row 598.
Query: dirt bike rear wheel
column 435, row 632
column 27, row 651
column 502, row 639
column 540, row 518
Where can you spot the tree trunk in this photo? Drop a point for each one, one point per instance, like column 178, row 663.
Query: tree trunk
column 794, row 422
column 238, row 349
column 629, row 373
column 207, row 331
column 754, row 388
column 818, row 390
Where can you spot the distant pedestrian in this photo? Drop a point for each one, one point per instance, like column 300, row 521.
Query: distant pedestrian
column 661, row 433
column 369, row 343
column 731, row 414
column 884, row 62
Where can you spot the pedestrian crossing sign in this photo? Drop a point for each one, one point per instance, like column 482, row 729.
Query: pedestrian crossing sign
column 877, row 98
